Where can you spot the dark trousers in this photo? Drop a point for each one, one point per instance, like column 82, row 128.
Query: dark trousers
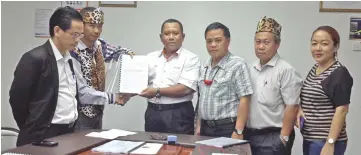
column 212, row 129
column 268, row 142
column 315, row 147
column 52, row 131
column 170, row 118
column 59, row 129
column 85, row 122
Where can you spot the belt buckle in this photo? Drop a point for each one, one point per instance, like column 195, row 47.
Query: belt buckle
column 158, row 107
column 211, row 123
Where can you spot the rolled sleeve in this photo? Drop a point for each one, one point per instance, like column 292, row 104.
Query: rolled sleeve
column 190, row 73
column 291, row 84
column 242, row 81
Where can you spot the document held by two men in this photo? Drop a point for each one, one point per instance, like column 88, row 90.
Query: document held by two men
column 133, row 74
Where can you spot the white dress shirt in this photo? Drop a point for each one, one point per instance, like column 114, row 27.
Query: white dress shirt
column 181, row 68
column 276, row 84
column 66, row 107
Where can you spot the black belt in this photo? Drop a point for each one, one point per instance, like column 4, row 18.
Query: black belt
column 213, row 123
column 262, row 131
column 161, row 107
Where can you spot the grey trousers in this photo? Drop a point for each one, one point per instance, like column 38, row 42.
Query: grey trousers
column 84, row 122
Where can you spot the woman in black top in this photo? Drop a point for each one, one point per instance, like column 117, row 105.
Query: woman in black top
column 325, row 97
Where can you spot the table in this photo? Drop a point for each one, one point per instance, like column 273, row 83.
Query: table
column 78, row 144
column 72, row 143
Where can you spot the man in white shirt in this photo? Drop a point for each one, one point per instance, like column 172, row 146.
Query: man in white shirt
column 277, row 87
column 172, row 81
column 45, row 92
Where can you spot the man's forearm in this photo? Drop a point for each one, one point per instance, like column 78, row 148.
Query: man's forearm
column 338, row 121
column 242, row 112
column 178, row 90
column 289, row 119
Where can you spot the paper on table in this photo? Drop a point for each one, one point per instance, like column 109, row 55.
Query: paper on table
column 110, row 134
column 221, row 142
column 117, row 146
column 148, row 148
column 121, row 132
column 134, row 74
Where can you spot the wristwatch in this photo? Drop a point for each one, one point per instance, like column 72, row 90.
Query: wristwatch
column 331, row 141
column 157, row 95
column 238, row 132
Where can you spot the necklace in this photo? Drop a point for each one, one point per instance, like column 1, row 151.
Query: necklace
column 209, row 82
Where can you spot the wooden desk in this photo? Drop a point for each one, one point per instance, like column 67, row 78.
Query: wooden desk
column 79, row 144
column 165, row 150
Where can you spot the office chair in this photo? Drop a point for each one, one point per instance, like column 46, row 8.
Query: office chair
column 8, row 138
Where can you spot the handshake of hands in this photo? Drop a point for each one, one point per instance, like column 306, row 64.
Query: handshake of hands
column 121, row 98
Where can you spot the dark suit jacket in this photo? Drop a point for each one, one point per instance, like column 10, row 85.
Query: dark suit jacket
column 34, row 93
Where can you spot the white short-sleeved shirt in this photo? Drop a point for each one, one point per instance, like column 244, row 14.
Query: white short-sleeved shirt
column 181, row 68
column 276, row 84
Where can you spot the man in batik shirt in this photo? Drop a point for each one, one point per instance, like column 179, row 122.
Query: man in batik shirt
column 92, row 53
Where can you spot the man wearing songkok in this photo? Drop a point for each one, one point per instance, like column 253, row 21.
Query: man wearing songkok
column 91, row 54
column 274, row 104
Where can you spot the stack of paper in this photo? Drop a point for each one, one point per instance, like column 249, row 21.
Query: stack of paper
column 110, row 134
column 117, row 146
column 221, row 142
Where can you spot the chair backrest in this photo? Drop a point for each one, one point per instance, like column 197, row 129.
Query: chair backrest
column 8, row 138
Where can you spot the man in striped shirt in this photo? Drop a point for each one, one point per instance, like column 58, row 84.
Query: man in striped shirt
column 277, row 88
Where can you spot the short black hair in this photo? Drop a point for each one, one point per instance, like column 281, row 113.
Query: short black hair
column 172, row 21
column 217, row 25
column 87, row 9
column 62, row 17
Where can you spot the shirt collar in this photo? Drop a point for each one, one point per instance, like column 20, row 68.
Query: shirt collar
column 82, row 46
column 222, row 63
column 57, row 53
column 271, row 62
column 161, row 53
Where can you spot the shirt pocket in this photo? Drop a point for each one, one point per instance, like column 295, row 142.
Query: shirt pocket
column 174, row 73
column 269, row 96
column 222, row 86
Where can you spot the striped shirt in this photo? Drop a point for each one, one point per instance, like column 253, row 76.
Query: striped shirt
column 230, row 81
column 320, row 95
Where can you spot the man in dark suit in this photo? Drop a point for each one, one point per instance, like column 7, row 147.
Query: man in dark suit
column 45, row 93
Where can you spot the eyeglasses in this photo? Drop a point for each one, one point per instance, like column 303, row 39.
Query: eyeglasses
column 158, row 137
column 76, row 35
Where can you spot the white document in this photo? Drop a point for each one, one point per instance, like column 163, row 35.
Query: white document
column 221, row 142
column 110, row 134
column 148, row 148
column 117, row 146
column 42, row 17
column 134, row 74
